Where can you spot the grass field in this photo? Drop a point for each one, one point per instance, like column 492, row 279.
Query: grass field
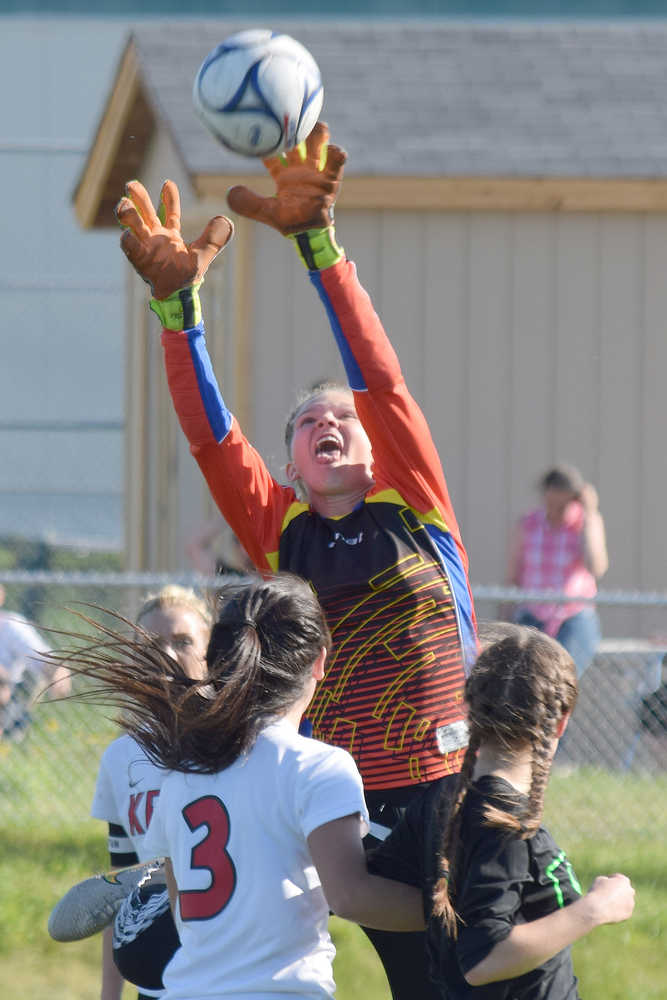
column 607, row 822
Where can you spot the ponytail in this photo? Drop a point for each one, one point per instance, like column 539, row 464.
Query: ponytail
column 266, row 637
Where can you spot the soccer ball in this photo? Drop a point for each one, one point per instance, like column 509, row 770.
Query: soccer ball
column 259, row 92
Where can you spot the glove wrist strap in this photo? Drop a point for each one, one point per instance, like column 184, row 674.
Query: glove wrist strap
column 317, row 248
column 181, row 310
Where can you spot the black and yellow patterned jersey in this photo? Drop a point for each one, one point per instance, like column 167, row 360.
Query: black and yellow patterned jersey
column 392, row 575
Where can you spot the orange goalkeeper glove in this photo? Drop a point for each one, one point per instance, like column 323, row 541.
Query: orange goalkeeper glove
column 307, row 180
column 153, row 244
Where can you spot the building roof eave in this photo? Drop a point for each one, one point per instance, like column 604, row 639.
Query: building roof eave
column 468, row 194
column 119, row 148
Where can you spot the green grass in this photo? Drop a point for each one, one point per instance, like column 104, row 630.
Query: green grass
column 38, row 865
column 610, row 822
column 606, row 822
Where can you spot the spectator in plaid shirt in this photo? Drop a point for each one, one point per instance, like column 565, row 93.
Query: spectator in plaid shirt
column 561, row 546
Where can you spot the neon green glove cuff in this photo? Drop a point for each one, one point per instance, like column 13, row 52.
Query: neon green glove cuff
column 181, row 310
column 317, row 248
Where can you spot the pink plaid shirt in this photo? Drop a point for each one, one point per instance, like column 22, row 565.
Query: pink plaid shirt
column 551, row 559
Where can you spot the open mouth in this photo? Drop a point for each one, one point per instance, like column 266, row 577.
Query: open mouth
column 328, row 447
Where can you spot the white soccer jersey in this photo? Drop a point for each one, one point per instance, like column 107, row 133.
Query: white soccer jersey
column 127, row 788
column 20, row 646
column 252, row 917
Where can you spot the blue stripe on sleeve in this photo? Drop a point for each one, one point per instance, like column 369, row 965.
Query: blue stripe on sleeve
column 219, row 417
column 352, row 369
column 458, row 580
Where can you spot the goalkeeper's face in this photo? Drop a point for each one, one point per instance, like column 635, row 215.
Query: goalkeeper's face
column 330, row 451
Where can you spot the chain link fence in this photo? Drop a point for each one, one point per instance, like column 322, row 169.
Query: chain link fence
column 618, row 733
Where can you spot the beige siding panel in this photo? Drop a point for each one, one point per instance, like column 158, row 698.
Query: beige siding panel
column 361, row 236
column 621, row 339
column 446, row 346
column 650, row 514
column 532, row 375
column 653, row 530
column 400, row 301
column 488, row 402
column 577, row 345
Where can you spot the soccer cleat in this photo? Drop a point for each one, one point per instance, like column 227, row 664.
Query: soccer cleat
column 90, row 906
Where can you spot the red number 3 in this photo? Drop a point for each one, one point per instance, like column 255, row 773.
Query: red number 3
column 211, row 854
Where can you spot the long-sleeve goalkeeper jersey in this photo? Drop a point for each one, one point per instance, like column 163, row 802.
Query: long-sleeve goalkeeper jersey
column 391, row 575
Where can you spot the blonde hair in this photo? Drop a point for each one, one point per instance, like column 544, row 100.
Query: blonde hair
column 173, row 595
column 304, row 397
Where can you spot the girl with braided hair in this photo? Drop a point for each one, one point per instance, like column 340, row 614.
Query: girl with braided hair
column 507, row 904
column 260, row 827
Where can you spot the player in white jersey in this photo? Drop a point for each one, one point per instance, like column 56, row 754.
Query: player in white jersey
column 256, row 817
column 128, row 785
column 261, row 827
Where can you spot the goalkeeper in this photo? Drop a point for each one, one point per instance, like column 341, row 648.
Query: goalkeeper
column 365, row 517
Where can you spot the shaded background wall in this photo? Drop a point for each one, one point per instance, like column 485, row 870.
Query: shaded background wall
column 61, row 376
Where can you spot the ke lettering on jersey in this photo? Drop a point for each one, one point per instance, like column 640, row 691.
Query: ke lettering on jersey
column 140, row 811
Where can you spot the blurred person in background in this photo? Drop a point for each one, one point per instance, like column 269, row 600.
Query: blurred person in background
column 143, row 937
column 24, row 675
column 214, row 550
column 561, row 546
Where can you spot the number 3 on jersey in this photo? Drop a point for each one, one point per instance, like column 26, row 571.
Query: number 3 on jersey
column 210, row 854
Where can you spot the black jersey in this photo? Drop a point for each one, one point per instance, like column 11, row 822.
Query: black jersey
column 501, row 881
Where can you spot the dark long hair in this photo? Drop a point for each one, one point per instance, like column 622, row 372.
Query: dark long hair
column 267, row 635
column 517, row 692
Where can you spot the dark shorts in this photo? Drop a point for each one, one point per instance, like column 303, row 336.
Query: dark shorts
column 409, row 852
column 416, row 817
column 144, row 937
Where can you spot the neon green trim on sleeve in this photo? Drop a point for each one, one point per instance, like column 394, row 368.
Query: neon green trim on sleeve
column 550, row 873
column 179, row 311
column 317, row 248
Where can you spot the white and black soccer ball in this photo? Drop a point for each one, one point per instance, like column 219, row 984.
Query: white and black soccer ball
column 259, row 92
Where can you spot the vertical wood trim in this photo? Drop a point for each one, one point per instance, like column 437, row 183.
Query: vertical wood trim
column 137, row 423
column 242, row 325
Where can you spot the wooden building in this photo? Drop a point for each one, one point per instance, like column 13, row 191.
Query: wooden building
column 505, row 201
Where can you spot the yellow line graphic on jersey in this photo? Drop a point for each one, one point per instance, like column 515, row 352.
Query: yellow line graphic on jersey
column 408, row 713
column 421, row 729
column 385, row 637
column 343, row 733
